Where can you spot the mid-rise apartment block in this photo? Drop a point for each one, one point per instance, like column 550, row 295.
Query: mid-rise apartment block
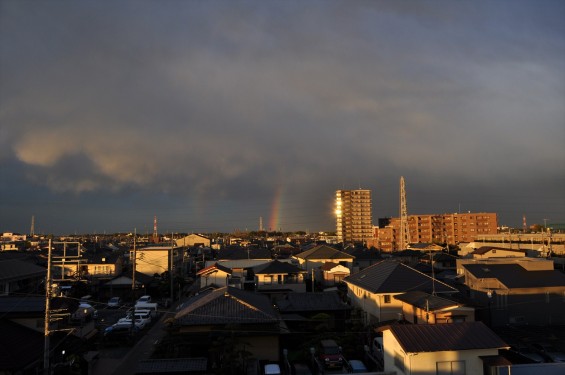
column 445, row 228
column 354, row 215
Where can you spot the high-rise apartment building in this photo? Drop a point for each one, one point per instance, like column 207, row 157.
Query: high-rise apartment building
column 446, row 228
column 353, row 215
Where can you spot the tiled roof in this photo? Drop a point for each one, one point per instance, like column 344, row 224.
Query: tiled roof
column 418, row 338
column 515, row 276
column 17, row 269
column 227, row 305
column 168, row 366
column 277, row 267
column 364, row 254
column 390, row 276
column 425, row 300
column 323, row 252
column 322, row 301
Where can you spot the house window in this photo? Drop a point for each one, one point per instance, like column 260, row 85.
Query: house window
column 268, row 279
column 387, row 298
column 450, row 368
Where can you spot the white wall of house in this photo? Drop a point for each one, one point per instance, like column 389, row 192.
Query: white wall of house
column 219, row 278
column 379, row 307
column 395, row 359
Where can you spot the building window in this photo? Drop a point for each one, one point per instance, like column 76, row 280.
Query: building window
column 450, row 368
column 386, row 298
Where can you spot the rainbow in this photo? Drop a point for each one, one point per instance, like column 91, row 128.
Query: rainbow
column 275, row 220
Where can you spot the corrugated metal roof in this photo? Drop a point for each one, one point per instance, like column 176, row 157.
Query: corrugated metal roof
column 390, row 276
column 417, row 338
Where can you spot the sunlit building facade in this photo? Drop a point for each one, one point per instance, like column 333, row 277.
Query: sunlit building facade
column 353, row 216
column 444, row 228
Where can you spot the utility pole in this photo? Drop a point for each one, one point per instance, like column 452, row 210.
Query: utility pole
column 47, row 318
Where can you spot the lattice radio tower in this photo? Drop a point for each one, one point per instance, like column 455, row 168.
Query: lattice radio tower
column 404, row 231
column 155, row 234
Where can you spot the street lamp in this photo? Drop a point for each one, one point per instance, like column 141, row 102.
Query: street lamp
column 489, row 295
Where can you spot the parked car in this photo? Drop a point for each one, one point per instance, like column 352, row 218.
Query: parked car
column 329, row 354
column 139, row 323
column 527, row 352
column 549, row 351
column 356, row 366
column 300, row 369
column 114, row 302
column 272, row 369
column 119, row 333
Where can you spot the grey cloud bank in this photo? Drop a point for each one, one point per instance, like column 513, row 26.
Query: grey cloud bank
column 212, row 114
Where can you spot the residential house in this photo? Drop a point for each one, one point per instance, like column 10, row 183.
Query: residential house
column 193, row 240
column 315, row 257
column 363, row 257
column 227, row 320
column 454, row 348
column 22, row 323
column 516, row 291
column 20, row 276
column 301, row 310
column 157, row 259
column 333, row 273
column 240, row 259
column 121, row 286
column 103, row 264
column 373, row 288
column 278, row 277
column 216, row 275
column 496, row 252
column 425, row 308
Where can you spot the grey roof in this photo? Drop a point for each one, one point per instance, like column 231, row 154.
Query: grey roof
column 227, row 305
column 323, row 252
column 13, row 269
column 418, row 338
column 425, row 300
column 320, row 301
column 277, row 267
column 180, row 365
column 515, row 276
column 390, row 276
column 485, row 249
column 9, row 304
column 235, row 253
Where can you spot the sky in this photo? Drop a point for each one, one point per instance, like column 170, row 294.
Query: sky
column 222, row 115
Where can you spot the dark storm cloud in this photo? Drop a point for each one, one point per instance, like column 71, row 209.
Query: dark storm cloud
column 205, row 112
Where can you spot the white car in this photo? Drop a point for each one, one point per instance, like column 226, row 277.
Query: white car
column 114, row 302
column 139, row 324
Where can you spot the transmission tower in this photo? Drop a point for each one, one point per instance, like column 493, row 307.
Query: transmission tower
column 155, row 234
column 404, row 231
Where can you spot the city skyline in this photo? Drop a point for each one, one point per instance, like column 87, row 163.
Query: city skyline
column 212, row 115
